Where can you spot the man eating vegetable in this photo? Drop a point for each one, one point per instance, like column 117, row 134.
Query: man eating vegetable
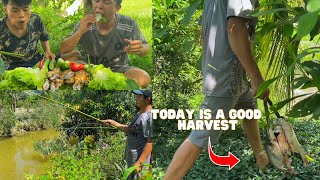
column 139, row 131
column 20, row 32
column 108, row 38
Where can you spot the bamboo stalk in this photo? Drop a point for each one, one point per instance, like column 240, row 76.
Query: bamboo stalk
column 12, row 54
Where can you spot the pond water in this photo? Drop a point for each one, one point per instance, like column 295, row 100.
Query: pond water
column 17, row 155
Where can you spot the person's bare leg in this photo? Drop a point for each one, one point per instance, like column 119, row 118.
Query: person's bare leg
column 251, row 129
column 182, row 161
column 142, row 77
column 71, row 56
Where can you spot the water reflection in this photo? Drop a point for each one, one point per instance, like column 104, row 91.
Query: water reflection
column 18, row 158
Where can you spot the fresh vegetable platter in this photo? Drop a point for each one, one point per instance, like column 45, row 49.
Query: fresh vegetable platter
column 60, row 74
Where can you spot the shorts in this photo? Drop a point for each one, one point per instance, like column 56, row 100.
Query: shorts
column 244, row 101
column 122, row 69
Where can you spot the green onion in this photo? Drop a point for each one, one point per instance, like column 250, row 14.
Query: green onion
column 12, row 54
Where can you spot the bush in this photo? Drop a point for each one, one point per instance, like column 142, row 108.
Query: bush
column 80, row 162
column 235, row 142
column 7, row 121
column 117, row 105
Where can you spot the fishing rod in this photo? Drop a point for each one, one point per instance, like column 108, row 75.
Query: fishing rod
column 68, row 106
column 76, row 127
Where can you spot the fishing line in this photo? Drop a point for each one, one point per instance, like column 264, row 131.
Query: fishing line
column 76, row 127
column 68, row 106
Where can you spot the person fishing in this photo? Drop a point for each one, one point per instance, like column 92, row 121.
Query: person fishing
column 139, row 131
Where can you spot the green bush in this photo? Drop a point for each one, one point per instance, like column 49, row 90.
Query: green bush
column 105, row 161
column 235, row 142
column 117, row 105
column 7, row 121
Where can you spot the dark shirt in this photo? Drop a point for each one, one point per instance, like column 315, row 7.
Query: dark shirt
column 109, row 49
column 26, row 45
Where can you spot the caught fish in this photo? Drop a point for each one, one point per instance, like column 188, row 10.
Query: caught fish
column 281, row 142
column 68, row 76
column 46, row 85
column 81, row 78
column 54, row 74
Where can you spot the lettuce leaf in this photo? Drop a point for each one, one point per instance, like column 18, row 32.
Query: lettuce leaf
column 101, row 18
column 105, row 79
column 23, row 79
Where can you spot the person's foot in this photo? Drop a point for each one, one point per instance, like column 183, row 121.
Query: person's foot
column 262, row 160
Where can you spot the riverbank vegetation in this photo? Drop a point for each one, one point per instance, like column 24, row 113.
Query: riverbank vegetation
column 23, row 111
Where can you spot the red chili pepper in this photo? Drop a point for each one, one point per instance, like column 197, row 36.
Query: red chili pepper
column 76, row 67
column 41, row 63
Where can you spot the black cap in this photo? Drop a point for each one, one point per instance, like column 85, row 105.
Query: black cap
column 145, row 92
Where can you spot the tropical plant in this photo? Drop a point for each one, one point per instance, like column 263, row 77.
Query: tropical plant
column 284, row 29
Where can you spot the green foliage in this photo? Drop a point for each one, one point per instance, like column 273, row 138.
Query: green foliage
column 308, row 106
column 306, row 24
column 145, row 174
column 144, row 19
column 8, row 120
column 313, row 5
column 235, row 142
column 52, row 146
column 58, row 27
column 177, row 54
column 278, row 39
column 23, row 79
column 117, row 105
column 105, row 79
column 22, row 111
column 103, row 162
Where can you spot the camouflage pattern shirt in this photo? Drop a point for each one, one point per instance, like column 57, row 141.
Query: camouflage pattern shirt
column 26, row 45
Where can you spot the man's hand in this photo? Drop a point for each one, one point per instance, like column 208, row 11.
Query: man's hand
column 109, row 122
column 255, row 83
column 86, row 22
column 138, row 166
column 134, row 47
column 49, row 55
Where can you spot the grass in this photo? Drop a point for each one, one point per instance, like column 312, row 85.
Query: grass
column 235, row 142
column 142, row 13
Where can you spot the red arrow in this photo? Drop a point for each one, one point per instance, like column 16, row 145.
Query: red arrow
column 230, row 160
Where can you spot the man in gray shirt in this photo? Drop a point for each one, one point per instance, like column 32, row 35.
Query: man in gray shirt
column 110, row 42
column 226, row 29
column 139, row 131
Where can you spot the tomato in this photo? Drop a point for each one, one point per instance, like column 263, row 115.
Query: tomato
column 76, row 67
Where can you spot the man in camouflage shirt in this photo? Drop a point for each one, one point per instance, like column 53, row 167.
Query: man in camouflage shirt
column 20, row 32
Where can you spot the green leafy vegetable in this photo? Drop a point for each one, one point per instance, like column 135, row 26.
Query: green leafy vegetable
column 23, row 79
column 105, row 79
column 101, row 18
